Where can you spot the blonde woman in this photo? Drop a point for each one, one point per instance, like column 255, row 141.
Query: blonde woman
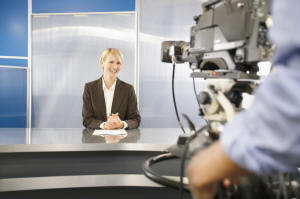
column 108, row 102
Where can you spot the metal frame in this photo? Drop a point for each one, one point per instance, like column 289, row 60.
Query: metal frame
column 12, row 57
column 137, row 60
column 28, row 135
column 80, row 13
column 29, row 91
column 81, row 181
column 17, row 67
column 44, row 148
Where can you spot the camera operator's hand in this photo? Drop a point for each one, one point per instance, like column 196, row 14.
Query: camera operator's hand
column 205, row 192
column 207, row 168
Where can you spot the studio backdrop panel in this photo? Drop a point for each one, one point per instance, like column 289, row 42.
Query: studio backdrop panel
column 65, row 55
column 160, row 21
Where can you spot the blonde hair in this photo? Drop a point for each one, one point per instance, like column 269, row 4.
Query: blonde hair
column 112, row 51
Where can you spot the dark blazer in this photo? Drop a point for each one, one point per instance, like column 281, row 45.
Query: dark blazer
column 124, row 102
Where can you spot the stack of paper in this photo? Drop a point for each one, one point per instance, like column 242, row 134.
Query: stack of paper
column 110, row 132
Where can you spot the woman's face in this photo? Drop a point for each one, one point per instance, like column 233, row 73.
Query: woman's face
column 111, row 66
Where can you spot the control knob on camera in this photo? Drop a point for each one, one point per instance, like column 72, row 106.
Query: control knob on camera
column 204, row 98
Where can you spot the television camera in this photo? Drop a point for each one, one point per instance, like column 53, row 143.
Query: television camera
column 230, row 36
column 226, row 44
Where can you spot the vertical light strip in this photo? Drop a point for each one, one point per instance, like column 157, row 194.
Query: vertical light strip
column 29, row 100
column 137, row 62
column 28, row 135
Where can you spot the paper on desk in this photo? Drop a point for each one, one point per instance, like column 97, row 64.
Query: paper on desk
column 110, row 132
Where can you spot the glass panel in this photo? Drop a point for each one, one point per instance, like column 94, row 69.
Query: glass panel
column 13, row 97
column 172, row 21
column 14, row 27
column 65, row 55
column 63, row 6
column 13, row 62
column 12, row 136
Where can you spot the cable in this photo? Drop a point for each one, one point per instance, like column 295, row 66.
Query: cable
column 186, row 147
column 156, row 177
column 174, row 101
column 195, row 92
column 149, row 173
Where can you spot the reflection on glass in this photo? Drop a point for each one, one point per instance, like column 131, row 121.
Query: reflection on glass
column 12, row 136
column 133, row 136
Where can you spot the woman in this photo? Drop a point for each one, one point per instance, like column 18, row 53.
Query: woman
column 109, row 103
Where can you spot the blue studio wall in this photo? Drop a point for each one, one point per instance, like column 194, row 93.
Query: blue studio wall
column 13, row 25
column 13, row 62
column 14, row 47
column 65, row 6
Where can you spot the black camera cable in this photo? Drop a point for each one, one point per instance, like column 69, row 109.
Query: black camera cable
column 184, row 154
column 183, row 158
column 174, row 100
column 199, row 105
column 195, row 92
column 156, row 177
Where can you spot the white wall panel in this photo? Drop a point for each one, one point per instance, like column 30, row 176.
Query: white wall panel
column 159, row 21
column 65, row 55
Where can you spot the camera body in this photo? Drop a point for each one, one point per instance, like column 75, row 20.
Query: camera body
column 227, row 42
column 230, row 35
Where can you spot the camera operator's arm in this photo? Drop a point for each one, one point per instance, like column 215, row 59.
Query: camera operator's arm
column 264, row 139
column 209, row 167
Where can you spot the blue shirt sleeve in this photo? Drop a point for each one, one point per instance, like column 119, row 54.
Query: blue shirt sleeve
column 286, row 29
column 266, row 138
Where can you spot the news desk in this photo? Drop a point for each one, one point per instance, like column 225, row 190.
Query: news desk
column 74, row 163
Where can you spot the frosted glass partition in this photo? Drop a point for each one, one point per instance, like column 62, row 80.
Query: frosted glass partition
column 159, row 21
column 65, row 55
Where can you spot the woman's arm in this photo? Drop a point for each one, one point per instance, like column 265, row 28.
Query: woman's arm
column 133, row 117
column 88, row 114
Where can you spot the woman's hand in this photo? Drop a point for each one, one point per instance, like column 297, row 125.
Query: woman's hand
column 114, row 122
